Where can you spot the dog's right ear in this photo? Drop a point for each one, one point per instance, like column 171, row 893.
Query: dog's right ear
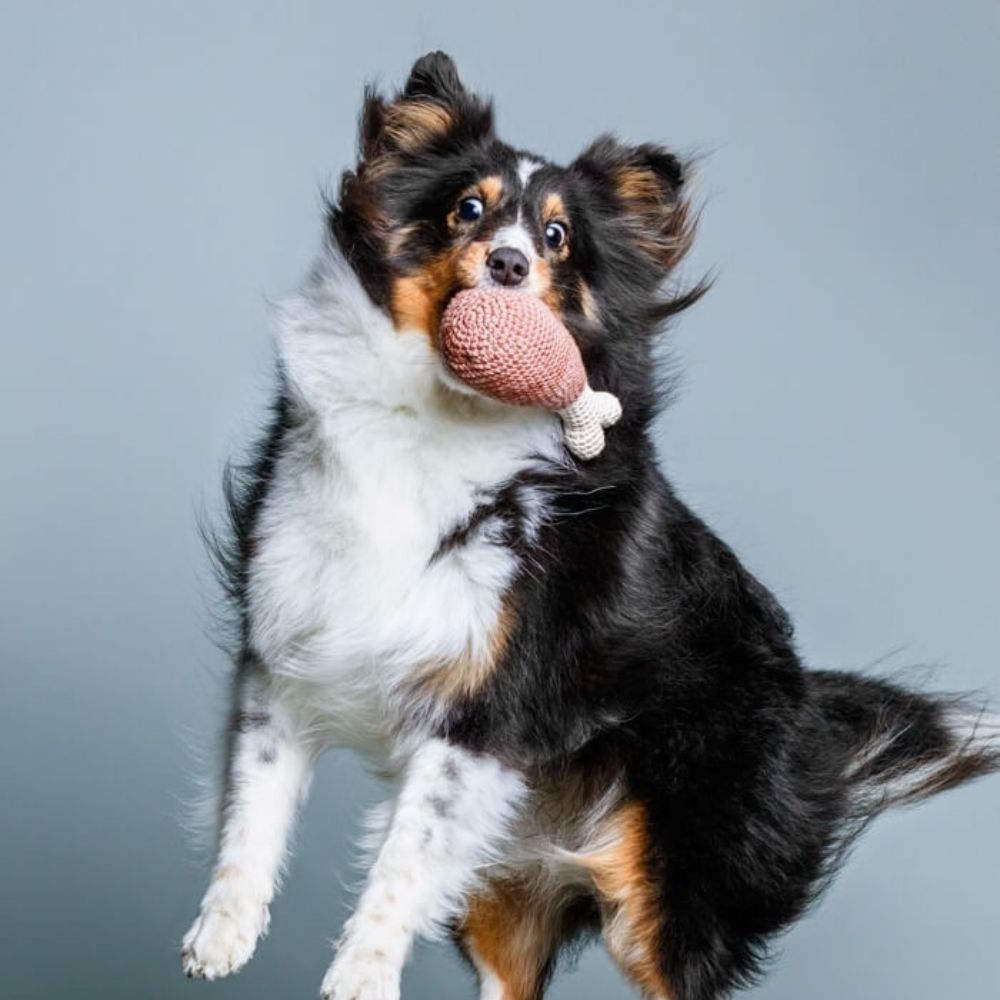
column 433, row 108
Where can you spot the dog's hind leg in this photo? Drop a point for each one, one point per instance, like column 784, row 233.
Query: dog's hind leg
column 267, row 774
column 512, row 932
column 632, row 918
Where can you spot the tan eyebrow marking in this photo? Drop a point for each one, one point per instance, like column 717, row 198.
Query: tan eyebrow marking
column 553, row 207
column 492, row 189
column 554, row 210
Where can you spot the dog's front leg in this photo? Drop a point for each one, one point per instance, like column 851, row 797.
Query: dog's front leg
column 267, row 775
column 452, row 812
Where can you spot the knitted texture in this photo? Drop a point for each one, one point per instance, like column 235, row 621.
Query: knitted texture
column 511, row 347
column 508, row 345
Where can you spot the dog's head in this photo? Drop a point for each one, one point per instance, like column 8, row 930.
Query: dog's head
column 438, row 203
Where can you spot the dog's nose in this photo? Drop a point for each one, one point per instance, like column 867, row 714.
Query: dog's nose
column 508, row 266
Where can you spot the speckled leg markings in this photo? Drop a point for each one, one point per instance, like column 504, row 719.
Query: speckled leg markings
column 267, row 776
column 453, row 810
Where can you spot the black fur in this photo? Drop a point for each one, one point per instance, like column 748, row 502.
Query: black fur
column 642, row 648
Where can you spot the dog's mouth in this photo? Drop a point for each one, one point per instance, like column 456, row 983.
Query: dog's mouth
column 419, row 298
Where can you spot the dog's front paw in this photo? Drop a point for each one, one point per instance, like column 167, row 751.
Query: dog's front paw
column 358, row 973
column 222, row 939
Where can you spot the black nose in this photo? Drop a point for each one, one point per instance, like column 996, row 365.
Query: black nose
column 508, row 266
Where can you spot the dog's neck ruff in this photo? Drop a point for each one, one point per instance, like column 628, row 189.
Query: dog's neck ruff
column 348, row 590
column 339, row 352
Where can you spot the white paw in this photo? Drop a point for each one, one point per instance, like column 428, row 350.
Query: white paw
column 222, row 939
column 361, row 973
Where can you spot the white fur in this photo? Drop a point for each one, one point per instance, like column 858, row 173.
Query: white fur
column 453, row 811
column 268, row 776
column 491, row 988
column 346, row 604
column 972, row 732
column 490, row 985
column 526, row 166
column 517, row 236
column 345, row 600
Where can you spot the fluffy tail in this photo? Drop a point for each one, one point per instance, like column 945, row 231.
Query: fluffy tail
column 902, row 747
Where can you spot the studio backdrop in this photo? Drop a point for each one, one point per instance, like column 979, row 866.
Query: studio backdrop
column 162, row 173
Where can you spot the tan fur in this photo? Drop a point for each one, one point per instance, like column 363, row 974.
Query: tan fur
column 414, row 305
column 417, row 299
column 470, row 264
column 511, row 935
column 638, row 184
column 554, row 210
column 588, row 304
column 463, row 677
column 630, row 910
column 491, row 189
column 553, row 207
column 408, row 125
column 547, row 291
column 514, row 926
column 661, row 223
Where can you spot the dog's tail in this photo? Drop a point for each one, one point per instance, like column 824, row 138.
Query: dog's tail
column 900, row 747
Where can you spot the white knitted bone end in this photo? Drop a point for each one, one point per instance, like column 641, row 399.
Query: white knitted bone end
column 584, row 421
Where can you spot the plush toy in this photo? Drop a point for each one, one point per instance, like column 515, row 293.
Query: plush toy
column 509, row 346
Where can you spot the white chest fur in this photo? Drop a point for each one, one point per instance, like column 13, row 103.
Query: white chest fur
column 346, row 597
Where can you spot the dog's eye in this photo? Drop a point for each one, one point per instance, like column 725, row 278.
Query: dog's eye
column 470, row 209
column 555, row 235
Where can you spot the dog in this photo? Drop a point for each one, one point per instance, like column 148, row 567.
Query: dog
column 592, row 716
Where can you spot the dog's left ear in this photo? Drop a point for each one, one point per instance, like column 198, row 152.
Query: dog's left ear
column 643, row 186
column 435, row 76
column 431, row 116
column 433, row 109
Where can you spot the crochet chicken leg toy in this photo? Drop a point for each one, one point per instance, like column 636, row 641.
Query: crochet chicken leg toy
column 511, row 347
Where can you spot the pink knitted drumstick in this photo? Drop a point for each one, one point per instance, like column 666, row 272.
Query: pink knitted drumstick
column 510, row 346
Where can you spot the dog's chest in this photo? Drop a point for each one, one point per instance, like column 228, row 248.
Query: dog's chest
column 351, row 591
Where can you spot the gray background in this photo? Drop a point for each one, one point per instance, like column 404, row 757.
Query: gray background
column 160, row 170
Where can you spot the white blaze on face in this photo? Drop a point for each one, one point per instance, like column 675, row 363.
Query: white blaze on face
column 525, row 168
column 515, row 235
column 518, row 236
